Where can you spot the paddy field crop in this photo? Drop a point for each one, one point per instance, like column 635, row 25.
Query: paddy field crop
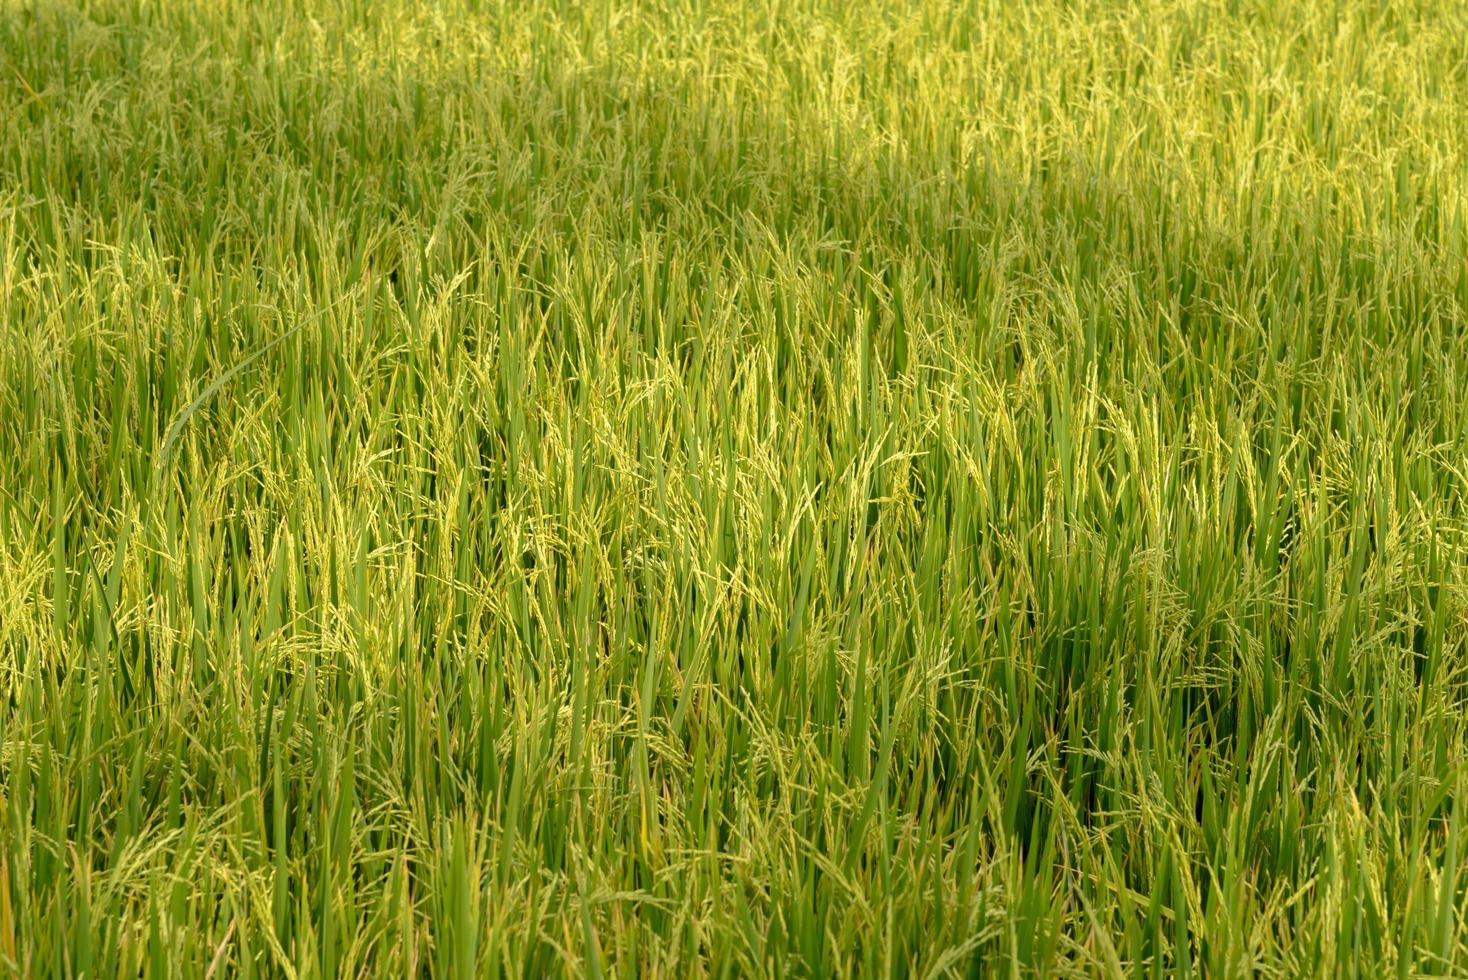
column 883, row 488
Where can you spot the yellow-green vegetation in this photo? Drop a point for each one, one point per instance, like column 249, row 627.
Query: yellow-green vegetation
column 889, row 488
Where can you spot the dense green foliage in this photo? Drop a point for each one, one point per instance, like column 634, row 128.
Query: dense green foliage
column 889, row 488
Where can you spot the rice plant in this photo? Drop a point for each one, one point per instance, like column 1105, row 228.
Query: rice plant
column 680, row 488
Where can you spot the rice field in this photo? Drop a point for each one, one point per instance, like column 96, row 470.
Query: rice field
column 728, row 488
